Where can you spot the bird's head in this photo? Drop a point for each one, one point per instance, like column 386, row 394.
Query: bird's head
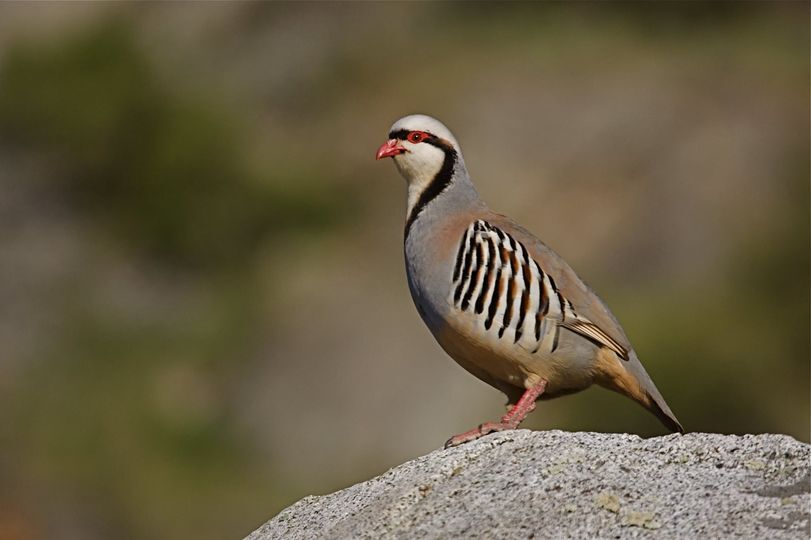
column 420, row 146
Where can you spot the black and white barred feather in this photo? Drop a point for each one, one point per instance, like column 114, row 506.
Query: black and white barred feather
column 497, row 280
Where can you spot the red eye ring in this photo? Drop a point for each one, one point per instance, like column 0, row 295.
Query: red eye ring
column 416, row 137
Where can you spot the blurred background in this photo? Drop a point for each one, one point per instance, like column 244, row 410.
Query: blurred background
column 204, row 313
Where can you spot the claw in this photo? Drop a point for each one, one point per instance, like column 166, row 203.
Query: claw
column 462, row 438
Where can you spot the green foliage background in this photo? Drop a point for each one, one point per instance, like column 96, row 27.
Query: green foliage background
column 190, row 203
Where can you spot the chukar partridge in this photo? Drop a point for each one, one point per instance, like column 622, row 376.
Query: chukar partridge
column 500, row 302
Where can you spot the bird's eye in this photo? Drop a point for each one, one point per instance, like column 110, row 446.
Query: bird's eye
column 415, row 137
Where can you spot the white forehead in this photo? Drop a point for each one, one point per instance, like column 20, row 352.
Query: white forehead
column 423, row 122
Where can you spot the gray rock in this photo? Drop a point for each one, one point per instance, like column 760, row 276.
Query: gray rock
column 553, row 484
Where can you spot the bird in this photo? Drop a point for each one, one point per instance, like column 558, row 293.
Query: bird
column 502, row 304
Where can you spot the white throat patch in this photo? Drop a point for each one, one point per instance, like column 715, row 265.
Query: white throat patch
column 419, row 166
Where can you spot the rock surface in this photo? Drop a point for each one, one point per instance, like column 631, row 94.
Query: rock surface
column 553, row 484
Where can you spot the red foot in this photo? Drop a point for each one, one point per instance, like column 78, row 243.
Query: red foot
column 511, row 420
column 481, row 431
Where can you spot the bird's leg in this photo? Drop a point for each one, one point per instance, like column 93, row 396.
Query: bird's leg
column 511, row 420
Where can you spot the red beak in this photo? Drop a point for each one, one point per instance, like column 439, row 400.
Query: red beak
column 390, row 148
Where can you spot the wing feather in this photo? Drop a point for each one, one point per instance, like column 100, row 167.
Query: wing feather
column 594, row 320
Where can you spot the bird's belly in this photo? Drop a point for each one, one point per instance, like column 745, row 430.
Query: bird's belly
column 500, row 362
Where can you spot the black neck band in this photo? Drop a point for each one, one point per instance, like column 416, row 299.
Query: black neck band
column 438, row 183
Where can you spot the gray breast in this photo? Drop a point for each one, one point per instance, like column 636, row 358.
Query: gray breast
column 428, row 275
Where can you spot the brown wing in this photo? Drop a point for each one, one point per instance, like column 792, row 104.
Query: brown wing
column 599, row 323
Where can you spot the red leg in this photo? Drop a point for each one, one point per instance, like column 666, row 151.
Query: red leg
column 511, row 420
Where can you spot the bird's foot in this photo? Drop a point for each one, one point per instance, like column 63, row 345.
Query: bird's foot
column 478, row 432
column 511, row 420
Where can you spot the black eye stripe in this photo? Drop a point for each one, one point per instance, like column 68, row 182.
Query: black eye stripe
column 430, row 138
column 401, row 134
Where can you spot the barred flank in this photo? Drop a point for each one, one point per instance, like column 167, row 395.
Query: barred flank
column 494, row 272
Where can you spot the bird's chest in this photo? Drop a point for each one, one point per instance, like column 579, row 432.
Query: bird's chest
column 428, row 268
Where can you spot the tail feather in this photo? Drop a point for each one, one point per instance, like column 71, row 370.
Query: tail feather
column 631, row 379
column 663, row 413
column 653, row 401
